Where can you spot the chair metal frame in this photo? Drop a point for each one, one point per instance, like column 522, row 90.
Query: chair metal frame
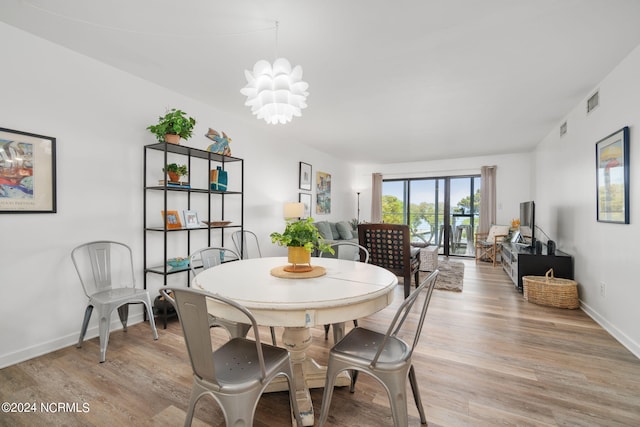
column 236, row 373
column 364, row 257
column 386, row 357
column 389, row 246
column 108, row 281
column 240, row 240
column 211, row 257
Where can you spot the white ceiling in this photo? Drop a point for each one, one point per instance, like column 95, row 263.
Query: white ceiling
column 389, row 81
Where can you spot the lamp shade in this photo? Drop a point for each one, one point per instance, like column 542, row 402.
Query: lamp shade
column 275, row 93
column 293, row 210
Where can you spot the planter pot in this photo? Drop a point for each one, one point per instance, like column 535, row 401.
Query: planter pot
column 172, row 138
column 173, row 177
column 300, row 260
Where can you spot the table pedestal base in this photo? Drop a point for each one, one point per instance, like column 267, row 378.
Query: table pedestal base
column 307, row 372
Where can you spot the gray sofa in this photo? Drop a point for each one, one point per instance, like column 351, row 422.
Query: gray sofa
column 336, row 232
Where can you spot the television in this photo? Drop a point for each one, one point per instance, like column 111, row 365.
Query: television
column 527, row 222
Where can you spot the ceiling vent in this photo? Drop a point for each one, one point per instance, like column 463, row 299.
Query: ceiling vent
column 563, row 129
column 592, row 102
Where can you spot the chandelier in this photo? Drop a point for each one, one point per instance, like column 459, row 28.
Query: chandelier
column 275, row 93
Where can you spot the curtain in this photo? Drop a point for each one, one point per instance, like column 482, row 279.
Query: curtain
column 487, row 198
column 376, row 198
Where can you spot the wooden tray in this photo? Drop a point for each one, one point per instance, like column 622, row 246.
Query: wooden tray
column 316, row 271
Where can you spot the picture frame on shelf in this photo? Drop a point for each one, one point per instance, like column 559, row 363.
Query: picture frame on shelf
column 191, row 219
column 172, row 220
column 27, row 172
column 305, row 199
column 612, row 177
column 304, row 177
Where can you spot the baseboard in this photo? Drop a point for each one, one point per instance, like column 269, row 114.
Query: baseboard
column 620, row 336
column 62, row 342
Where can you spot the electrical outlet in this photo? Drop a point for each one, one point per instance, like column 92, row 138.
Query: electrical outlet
column 603, row 289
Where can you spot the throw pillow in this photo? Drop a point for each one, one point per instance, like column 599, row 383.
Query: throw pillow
column 334, row 231
column 345, row 230
column 324, row 229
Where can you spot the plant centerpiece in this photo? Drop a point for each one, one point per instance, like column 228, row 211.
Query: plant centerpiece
column 172, row 126
column 301, row 237
column 175, row 171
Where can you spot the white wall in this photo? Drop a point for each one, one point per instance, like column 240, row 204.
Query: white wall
column 565, row 192
column 513, row 179
column 98, row 115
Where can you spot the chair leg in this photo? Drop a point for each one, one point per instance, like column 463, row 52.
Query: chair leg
column 103, row 328
column 273, row 336
column 407, row 284
column 326, row 332
column 123, row 313
column 416, row 394
column 326, row 396
column 85, row 323
column 354, row 378
column 152, row 321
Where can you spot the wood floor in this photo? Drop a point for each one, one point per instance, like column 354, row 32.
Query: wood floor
column 486, row 358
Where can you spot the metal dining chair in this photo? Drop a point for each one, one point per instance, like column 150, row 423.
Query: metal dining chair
column 386, row 357
column 211, row 257
column 105, row 269
column 236, row 373
column 356, row 252
column 246, row 243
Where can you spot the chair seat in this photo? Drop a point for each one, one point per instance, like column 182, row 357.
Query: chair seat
column 244, row 373
column 114, row 296
column 363, row 344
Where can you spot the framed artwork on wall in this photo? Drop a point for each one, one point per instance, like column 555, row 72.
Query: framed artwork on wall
column 612, row 177
column 305, row 199
column 172, row 219
column 27, row 172
column 304, row 178
column 323, row 193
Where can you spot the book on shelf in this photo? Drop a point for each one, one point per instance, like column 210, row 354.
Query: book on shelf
column 178, row 184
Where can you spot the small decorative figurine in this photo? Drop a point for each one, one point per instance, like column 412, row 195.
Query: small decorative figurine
column 221, row 143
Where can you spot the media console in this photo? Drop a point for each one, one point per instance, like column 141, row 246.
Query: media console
column 518, row 261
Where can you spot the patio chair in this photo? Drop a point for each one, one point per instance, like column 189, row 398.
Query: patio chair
column 389, row 247
column 384, row 356
column 236, row 373
column 355, row 252
column 105, row 269
column 488, row 245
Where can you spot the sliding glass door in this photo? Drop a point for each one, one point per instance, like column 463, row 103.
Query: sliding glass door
column 439, row 211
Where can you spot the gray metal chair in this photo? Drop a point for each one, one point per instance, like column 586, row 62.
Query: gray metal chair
column 211, row 257
column 105, row 269
column 386, row 357
column 356, row 252
column 234, row 374
column 246, row 243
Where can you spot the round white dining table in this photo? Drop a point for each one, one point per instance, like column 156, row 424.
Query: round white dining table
column 348, row 290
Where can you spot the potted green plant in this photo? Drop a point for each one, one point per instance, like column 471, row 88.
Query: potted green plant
column 175, row 171
column 301, row 237
column 172, row 126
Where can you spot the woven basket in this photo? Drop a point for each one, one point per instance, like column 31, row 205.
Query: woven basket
column 550, row 291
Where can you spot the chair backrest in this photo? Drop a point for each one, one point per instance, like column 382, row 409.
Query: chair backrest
column 497, row 230
column 246, row 243
column 355, row 252
column 389, row 245
column 193, row 312
column 210, row 257
column 103, row 265
column 425, row 289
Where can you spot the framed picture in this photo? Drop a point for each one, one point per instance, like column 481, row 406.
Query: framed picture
column 27, row 172
column 305, row 199
column 172, row 219
column 305, row 176
column 191, row 219
column 612, row 177
column 323, row 193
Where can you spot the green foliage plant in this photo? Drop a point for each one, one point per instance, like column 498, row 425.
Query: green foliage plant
column 301, row 233
column 173, row 122
column 179, row 169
